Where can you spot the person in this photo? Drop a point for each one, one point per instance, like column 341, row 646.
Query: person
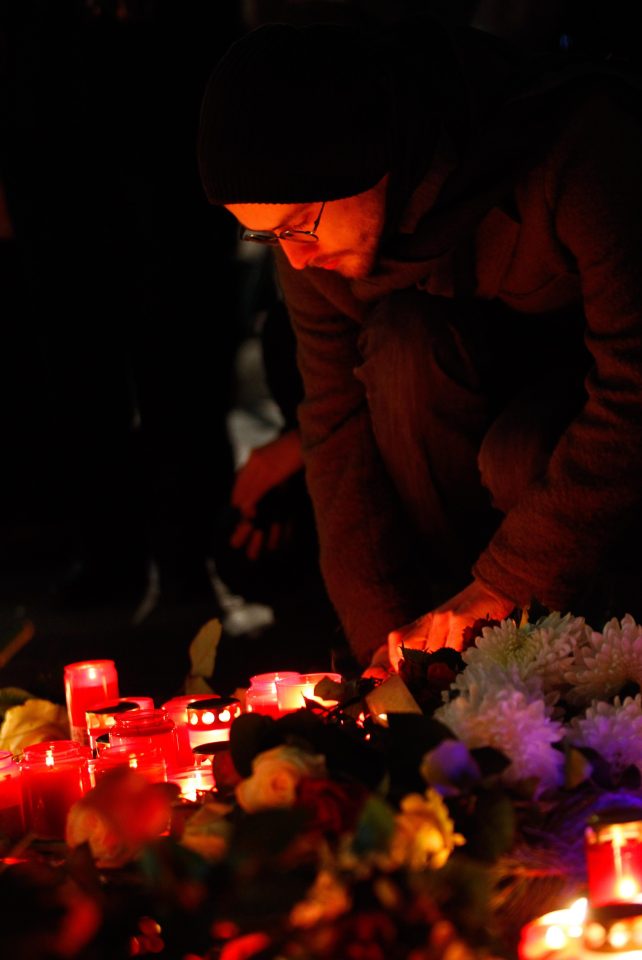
column 457, row 233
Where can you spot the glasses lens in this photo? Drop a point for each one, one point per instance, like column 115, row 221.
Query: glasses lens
column 299, row 236
column 267, row 238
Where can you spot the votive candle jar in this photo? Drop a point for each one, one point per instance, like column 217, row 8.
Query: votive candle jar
column 148, row 728
column 261, row 696
column 177, row 709
column 54, row 775
column 12, row 822
column 101, row 719
column 195, row 780
column 88, row 683
column 614, row 860
column 292, row 693
column 209, row 721
column 146, row 760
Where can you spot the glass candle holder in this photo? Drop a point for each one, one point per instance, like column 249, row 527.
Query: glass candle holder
column 614, row 860
column 292, row 693
column 12, row 824
column 261, row 695
column 209, row 721
column 146, row 760
column 194, row 781
column 147, row 728
column 177, row 709
column 88, row 684
column 100, row 720
column 54, row 775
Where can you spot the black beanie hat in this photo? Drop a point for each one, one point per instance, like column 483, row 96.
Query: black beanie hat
column 294, row 115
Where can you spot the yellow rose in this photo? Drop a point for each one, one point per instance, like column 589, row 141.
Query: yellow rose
column 275, row 777
column 424, row 835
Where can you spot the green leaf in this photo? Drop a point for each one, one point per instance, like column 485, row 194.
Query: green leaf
column 374, row 827
column 490, row 831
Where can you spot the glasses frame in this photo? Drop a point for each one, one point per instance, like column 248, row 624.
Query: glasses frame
column 273, row 237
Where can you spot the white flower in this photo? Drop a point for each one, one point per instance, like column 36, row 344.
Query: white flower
column 605, row 662
column 512, row 721
column 542, row 650
column 614, row 730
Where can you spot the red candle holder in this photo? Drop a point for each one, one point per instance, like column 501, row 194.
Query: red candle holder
column 177, row 709
column 100, row 720
column 209, row 721
column 146, row 760
column 54, row 775
column 147, row 728
column 261, row 696
column 12, row 824
column 614, row 860
column 194, row 781
column 88, row 684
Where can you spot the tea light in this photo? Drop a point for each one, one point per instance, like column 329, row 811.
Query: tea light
column 209, row 721
column 557, row 933
column 88, row 684
column 261, row 696
column 11, row 809
column 194, row 781
column 100, row 720
column 614, row 860
column 147, row 728
column 54, row 775
column 292, row 693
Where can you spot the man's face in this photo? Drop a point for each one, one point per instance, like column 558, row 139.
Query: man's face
column 349, row 230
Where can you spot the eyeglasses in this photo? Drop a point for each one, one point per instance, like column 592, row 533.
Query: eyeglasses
column 272, row 237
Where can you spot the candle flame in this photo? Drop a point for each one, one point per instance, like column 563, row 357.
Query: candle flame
column 627, row 888
column 91, row 673
column 224, row 716
column 555, row 938
column 49, row 758
column 133, row 762
column 208, row 717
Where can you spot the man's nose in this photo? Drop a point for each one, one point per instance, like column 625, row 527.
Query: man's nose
column 298, row 254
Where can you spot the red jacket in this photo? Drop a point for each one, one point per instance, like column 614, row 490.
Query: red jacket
column 577, row 237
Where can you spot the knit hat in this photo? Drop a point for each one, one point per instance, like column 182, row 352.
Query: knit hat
column 294, row 114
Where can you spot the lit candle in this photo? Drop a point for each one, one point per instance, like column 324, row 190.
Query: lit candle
column 146, row 760
column 292, row 693
column 148, row 728
column 88, row 684
column 195, row 780
column 54, row 775
column 614, row 861
column 100, row 720
column 209, row 721
column 559, row 932
column 11, row 809
column 177, row 709
column 261, row 696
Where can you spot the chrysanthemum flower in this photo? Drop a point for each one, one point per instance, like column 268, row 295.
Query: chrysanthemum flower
column 605, row 662
column 512, row 721
column 614, row 730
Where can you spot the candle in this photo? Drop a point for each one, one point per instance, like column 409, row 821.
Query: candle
column 148, row 728
column 88, row 684
column 614, row 860
column 195, row 780
column 11, row 807
column 209, row 721
column 292, row 692
column 261, row 696
column 54, row 775
column 177, row 709
column 100, row 720
column 146, row 760
column 559, row 932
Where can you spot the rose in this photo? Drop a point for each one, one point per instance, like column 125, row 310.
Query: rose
column 333, row 808
column 424, row 835
column 275, row 776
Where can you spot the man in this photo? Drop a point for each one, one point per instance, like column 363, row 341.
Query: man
column 458, row 243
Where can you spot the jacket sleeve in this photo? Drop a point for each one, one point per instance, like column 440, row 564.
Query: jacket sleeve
column 561, row 535
column 365, row 545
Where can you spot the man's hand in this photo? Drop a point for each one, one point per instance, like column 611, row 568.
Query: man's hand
column 444, row 626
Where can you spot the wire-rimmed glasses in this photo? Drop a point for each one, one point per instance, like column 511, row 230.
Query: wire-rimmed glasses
column 272, row 237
